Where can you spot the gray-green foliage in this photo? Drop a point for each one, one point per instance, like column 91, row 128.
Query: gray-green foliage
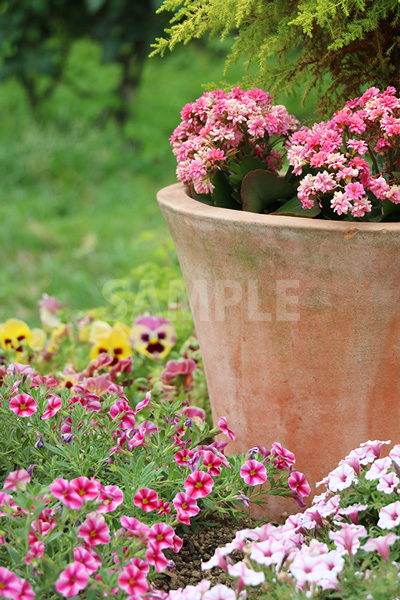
column 353, row 42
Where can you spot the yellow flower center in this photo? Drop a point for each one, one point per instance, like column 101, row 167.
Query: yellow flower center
column 160, row 537
column 199, row 484
column 252, row 472
column 22, row 406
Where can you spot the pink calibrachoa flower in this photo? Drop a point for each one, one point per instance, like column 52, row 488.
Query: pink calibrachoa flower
column 72, row 580
column 381, row 544
column 164, row 508
column 298, row 483
column 53, row 406
column 123, row 413
column 253, row 472
column 347, row 539
column 155, row 557
column 63, row 490
column 87, row 489
column 136, row 528
column 9, row 583
column 110, row 497
column 35, row 551
column 146, row 499
column 94, row 532
column 389, row 516
column 283, row 458
column 23, row 405
column 212, row 462
column 161, row 536
column 222, row 424
column 83, row 556
column 198, row 485
column 183, row 456
column 132, row 580
column 185, row 505
column 26, row 592
column 17, row 480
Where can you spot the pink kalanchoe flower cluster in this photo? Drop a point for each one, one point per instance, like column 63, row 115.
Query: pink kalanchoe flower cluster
column 351, row 160
column 220, row 128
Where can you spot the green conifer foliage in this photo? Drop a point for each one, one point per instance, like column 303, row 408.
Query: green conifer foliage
column 345, row 45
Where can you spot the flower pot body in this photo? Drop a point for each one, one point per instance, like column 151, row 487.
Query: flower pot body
column 298, row 322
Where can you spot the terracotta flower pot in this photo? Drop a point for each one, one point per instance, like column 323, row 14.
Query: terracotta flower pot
column 298, row 322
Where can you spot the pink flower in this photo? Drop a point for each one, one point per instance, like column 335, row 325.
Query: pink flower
column 87, row 489
column 389, row 516
column 269, row 552
column 123, row 412
column 253, row 472
column 94, row 532
column 246, row 576
column 9, row 583
column 185, row 505
column 83, row 556
column 212, row 462
column 219, row 592
column 17, row 480
column 136, row 528
column 35, row 551
column 155, row 557
column 299, row 484
column 26, row 592
column 63, row 490
column 341, row 478
column 381, row 544
column 110, row 497
column 282, row 458
column 388, row 483
column 198, row 485
column 23, row 405
column 161, row 536
column 225, row 429
column 347, row 538
column 146, row 499
column 71, row 581
column 132, row 580
column 183, row 456
column 53, row 406
column 178, row 372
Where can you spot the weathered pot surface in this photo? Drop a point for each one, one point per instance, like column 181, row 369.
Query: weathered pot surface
column 298, row 322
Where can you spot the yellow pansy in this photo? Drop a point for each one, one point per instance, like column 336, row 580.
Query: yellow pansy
column 112, row 340
column 14, row 334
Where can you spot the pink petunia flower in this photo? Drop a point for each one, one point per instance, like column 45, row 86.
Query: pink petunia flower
column 222, row 424
column 26, row 592
column 298, row 483
column 72, row 580
column 122, row 412
column 161, row 536
column 347, row 539
column 388, row 483
column 146, row 499
column 132, row 580
column 283, row 458
column 269, row 552
column 219, row 592
column 155, row 557
column 63, row 490
column 94, row 532
column 17, row 480
column 23, row 405
column 83, row 556
column 253, row 472
column 185, row 505
column 381, row 544
column 9, row 583
column 198, row 485
column 109, row 497
column 53, row 406
column 87, row 489
column 389, row 516
column 245, row 575
column 341, row 478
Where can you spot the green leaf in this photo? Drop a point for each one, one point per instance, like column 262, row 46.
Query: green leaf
column 15, row 557
column 261, row 189
column 391, row 209
column 222, row 192
column 294, row 208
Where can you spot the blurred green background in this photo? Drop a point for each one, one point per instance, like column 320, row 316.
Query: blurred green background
column 78, row 184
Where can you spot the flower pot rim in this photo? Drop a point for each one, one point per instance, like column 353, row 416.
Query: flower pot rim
column 176, row 197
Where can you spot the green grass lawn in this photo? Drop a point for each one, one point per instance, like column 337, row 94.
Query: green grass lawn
column 77, row 199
